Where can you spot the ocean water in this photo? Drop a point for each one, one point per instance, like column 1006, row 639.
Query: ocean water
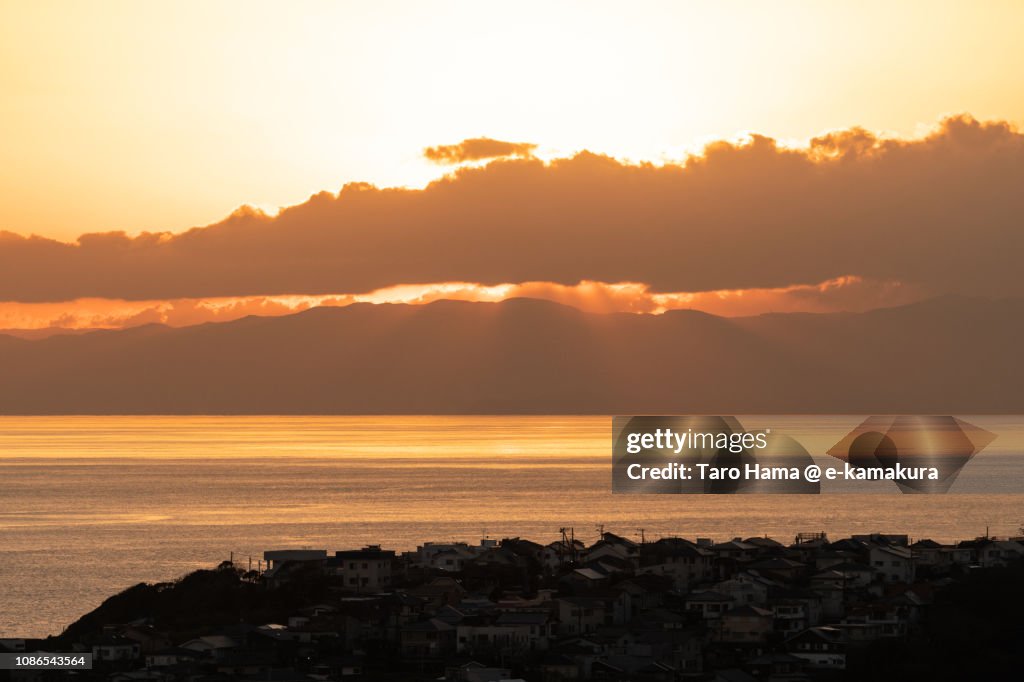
column 92, row 505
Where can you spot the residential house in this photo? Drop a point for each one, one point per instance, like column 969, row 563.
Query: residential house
column 778, row 568
column 891, row 539
column 431, row 638
column 926, row 552
column 711, row 604
column 276, row 557
column 855, row 575
column 736, row 549
column 561, row 553
column 647, row 591
column 363, row 570
column 746, row 588
column 585, row 579
column 824, row 648
column 892, row 564
column 438, row 592
column 794, row 609
column 213, row 646
column 509, row 631
column 581, row 615
column 116, row 648
column 830, row 585
column 682, row 561
column 745, row 625
column 988, row 552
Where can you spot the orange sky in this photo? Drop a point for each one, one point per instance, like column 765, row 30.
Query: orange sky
column 165, row 115
column 128, row 124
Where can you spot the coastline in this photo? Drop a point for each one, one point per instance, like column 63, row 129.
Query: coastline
column 518, row 605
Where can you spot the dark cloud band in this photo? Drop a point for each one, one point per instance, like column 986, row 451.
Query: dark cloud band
column 942, row 213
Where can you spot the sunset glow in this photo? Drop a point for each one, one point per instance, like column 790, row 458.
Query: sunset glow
column 163, row 116
column 842, row 294
column 380, row 340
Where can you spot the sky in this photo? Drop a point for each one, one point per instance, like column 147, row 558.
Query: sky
column 784, row 139
column 169, row 115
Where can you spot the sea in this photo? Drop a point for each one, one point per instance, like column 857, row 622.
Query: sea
column 90, row 506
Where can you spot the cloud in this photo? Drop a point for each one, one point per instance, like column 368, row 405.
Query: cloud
column 851, row 294
column 477, row 149
column 940, row 214
column 842, row 294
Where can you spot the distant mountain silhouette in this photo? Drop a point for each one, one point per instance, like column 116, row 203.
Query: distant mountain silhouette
column 945, row 356
column 44, row 332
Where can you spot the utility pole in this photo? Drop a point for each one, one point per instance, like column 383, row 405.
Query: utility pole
column 568, row 545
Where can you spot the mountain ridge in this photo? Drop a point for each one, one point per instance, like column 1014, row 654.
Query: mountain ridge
column 527, row 356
